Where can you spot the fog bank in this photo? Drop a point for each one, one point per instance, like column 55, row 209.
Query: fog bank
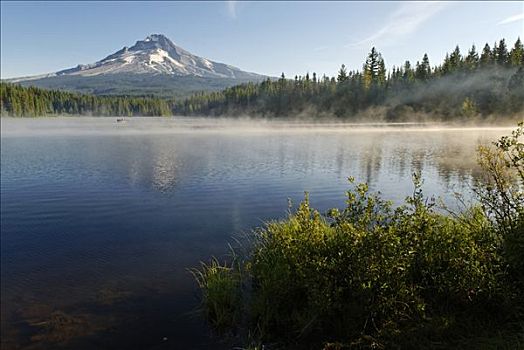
column 12, row 127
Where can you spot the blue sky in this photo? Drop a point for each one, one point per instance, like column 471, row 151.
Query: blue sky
column 263, row 37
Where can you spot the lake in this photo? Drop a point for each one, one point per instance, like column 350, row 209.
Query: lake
column 100, row 220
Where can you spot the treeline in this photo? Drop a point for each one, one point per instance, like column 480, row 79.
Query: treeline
column 18, row 101
column 490, row 82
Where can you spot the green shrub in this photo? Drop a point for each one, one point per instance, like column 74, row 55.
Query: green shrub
column 501, row 193
column 342, row 277
column 374, row 276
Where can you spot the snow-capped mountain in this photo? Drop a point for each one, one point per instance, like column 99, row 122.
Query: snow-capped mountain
column 153, row 66
column 156, row 54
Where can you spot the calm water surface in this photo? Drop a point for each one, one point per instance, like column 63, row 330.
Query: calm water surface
column 101, row 220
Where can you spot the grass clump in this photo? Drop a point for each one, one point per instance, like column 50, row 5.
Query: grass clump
column 221, row 297
column 374, row 276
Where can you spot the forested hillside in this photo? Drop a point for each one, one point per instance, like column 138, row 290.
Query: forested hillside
column 20, row 101
column 464, row 86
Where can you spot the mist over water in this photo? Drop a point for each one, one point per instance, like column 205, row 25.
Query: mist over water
column 55, row 126
column 101, row 219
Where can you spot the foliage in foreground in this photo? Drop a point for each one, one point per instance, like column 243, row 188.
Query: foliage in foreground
column 374, row 276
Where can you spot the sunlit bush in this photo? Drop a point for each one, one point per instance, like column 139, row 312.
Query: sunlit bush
column 501, row 193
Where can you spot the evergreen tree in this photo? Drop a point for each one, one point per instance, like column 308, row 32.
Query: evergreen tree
column 502, row 57
column 381, row 73
column 374, row 69
column 494, row 52
column 472, row 59
column 517, row 81
column 516, row 56
column 408, row 75
column 423, row 70
column 455, row 59
column 446, row 65
column 486, row 57
column 342, row 74
column 469, row 109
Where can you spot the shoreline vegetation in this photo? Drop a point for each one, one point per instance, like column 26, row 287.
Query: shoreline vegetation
column 473, row 86
column 477, row 87
column 374, row 276
column 18, row 101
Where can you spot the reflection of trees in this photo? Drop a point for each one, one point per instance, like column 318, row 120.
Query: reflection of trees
column 371, row 161
column 401, row 159
column 456, row 159
column 418, row 159
column 452, row 155
column 456, row 164
column 446, row 157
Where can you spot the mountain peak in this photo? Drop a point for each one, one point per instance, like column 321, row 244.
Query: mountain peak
column 156, row 41
column 159, row 39
column 156, row 37
column 156, row 54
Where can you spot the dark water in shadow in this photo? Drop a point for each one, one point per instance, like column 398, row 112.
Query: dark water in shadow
column 98, row 229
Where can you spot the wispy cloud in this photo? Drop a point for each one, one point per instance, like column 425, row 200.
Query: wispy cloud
column 511, row 19
column 408, row 17
column 232, row 8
